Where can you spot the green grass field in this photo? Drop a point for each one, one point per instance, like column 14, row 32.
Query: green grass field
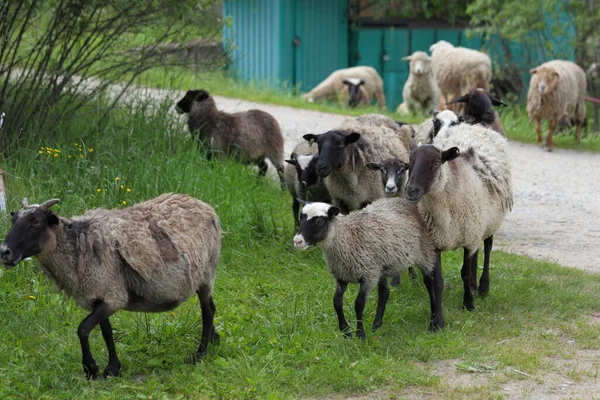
column 279, row 335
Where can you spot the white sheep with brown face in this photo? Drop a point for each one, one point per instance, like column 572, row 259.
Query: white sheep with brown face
column 150, row 257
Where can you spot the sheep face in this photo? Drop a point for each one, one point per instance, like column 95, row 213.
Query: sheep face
column 332, row 148
column 479, row 105
column 184, row 106
column 354, row 91
column 315, row 220
column 29, row 234
column 393, row 172
column 425, row 164
column 420, row 63
column 546, row 79
column 305, row 170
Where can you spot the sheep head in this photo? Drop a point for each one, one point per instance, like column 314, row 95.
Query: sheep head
column 184, row 106
column 305, row 170
column 354, row 90
column 420, row 63
column 315, row 220
column 545, row 79
column 30, row 232
column 332, row 148
column 393, row 172
column 425, row 164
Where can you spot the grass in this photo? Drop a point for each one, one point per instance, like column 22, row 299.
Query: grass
column 274, row 303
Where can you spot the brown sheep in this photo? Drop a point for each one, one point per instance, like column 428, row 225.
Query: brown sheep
column 251, row 135
column 556, row 92
column 150, row 257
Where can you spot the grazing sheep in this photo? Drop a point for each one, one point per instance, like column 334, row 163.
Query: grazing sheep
column 458, row 70
column 556, row 92
column 354, row 93
column 479, row 109
column 344, row 153
column 366, row 247
column 337, row 82
column 420, row 93
column 150, row 257
column 462, row 186
column 251, row 135
column 302, row 180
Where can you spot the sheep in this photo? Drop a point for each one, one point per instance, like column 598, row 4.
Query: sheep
column 479, row 109
column 149, row 257
column 556, row 92
column 420, row 93
column 345, row 151
column 302, row 180
column 462, row 187
column 251, row 135
column 354, row 93
column 458, row 70
column 366, row 247
column 336, row 85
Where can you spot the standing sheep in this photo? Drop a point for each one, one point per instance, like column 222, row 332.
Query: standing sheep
column 366, row 247
column 150, row 257
column 556, row 92
column 462, row 187
column 302, row 179
column 458, row 69
column 251, row 135
column 421, row 92
column 338, row 84
column 344, row 153
column 479, row 109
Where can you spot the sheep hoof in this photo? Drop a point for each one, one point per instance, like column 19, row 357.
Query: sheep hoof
column 197, row 357
column 215, row 338
column 395, row 282
column 435, row 326
column 469, row 307
column 347, row 333
column 361, row 335
column 377, row 325
column 482, row 292
column 91, row 371
column 112, row 370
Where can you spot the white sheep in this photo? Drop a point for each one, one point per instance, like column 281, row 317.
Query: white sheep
column 420, row 92
column 462, row 186
column 458, row 70
column 556, row 92
column 150, row 257
column 366, row 247
column 336, row 87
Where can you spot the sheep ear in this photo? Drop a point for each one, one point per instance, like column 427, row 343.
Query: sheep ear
column 292, row 162
column 407, row 58
column 406, row 166
column 332, row 212
column 496, row 102
column 202, row 96
column 451, row 154
column 459, row 99
column 52, row 218
column 302, row 202
column 533, row 70
column 351, row 138
column 555, row 74
column 373, row 166
column 311, row 138
column 412, row 144
column 361, row 82
column 346, row 82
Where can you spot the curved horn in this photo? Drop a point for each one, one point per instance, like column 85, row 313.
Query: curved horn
column 49, row 203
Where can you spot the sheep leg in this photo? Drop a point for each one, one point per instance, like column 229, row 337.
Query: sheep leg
column 578, row 131
column 538, row 130
column 114, row 365
column 380, row 96
column 484, row 282
column 262, row 167
column 100, row 313
column 395, row 281
column 465, row 274
column 359, row 308
column 207, row 306
column 474, row 271
column 214, row 336
column 549, row 142
column 412, row 274
column 338, row 304
column 437, row 316
column 382, row 298
column 296, row 212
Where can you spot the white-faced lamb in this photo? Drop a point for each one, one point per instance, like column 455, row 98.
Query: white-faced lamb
column 150, row 257
column 302, row 179
column 366, row 247
column 345, row 152
column 251, row 136
column 462, row 186
column 556, row 92
column 420, row 92
column 458, row 70
column 350, row 86
column 479, row 109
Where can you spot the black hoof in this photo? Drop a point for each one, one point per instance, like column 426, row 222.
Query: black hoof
column 395, row 282
column 347, row 333
column 112, row 370
column 377, row 325
column 435, row 326
column 483, row 292
column 197, row 357
column 469, row 307
column 361, row 335
column 91, row 371
column 215, row 338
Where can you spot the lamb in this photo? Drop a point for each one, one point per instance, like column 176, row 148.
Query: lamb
column 150, row 257
column 462, row 187
column 345, row 151
column 302, row 180
column 479, row 109
column 251, row 136
column 420, row 93
column 366, row 247
column 556, row 92
column 458, row 70
column 336, row 86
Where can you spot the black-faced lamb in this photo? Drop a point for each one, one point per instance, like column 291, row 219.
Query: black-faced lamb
column 556, row 92
column 345, row 151
column 366, row 247
column 479, row 109
column 150, row 257
column 302, row 179
column 462, row 186
column 251, row 136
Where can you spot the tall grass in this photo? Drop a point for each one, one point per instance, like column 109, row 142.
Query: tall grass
column 274, row 304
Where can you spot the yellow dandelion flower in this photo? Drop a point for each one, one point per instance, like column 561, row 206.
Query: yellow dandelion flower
column 90, row 150
column 124, row 202
column 81, row 156
column 128, row 190
column 40, row 151
column 55, row 154
column 117, row 179
column 57, row 151
column 31, row 297
column 69, row 156
column 122, row 186
column 98, row 190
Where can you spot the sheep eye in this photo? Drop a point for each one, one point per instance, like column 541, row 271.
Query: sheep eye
column 319, row 222
column 37, row 224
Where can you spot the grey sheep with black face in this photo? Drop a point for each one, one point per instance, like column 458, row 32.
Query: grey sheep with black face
column 150, row 257
column 251, row 136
